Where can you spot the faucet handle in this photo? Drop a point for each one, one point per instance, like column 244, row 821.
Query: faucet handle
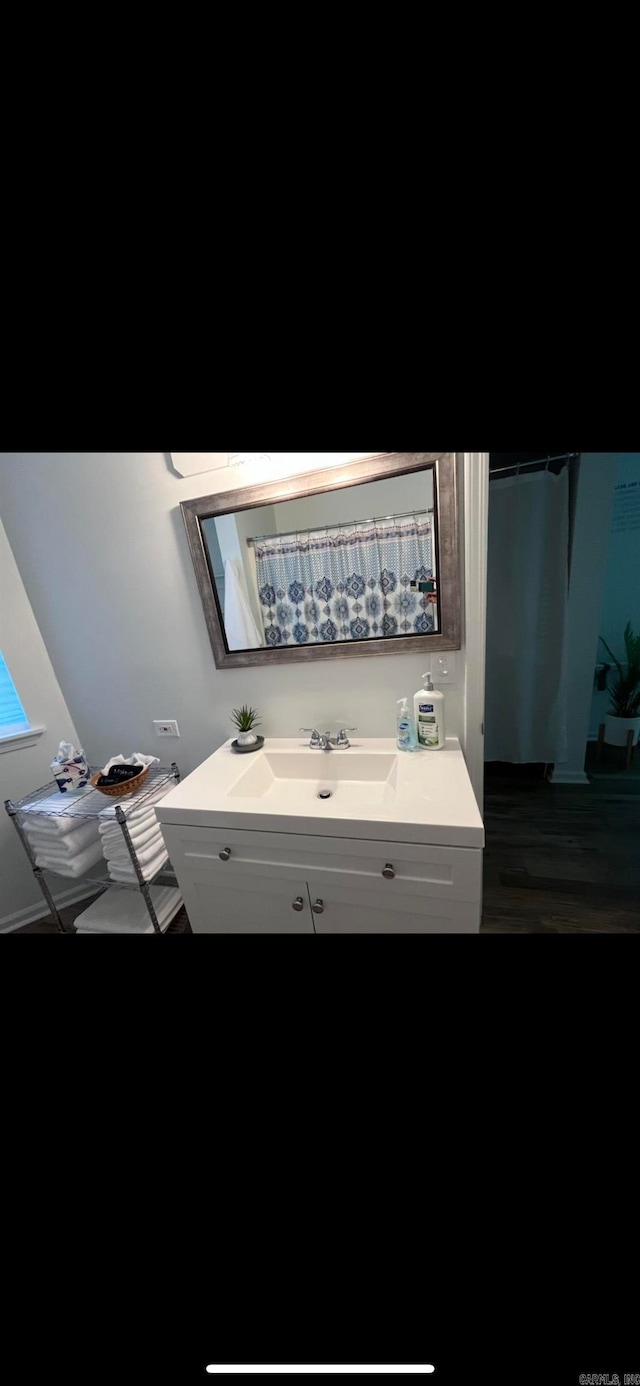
column 342, row 738
column 315, row 735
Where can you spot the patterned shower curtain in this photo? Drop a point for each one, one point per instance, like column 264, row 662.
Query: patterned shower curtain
column 331, row 585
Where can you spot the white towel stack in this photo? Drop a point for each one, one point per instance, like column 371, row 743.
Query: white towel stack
column 146, row 836
column 62, row 843
column 125, row 912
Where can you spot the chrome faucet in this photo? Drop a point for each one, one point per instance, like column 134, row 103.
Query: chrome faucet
column 321, row 741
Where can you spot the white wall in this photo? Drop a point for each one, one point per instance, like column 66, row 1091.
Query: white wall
column 24, row 769
column 594, row 500
column 621, row 588
column 394, row 496
column 101, row 546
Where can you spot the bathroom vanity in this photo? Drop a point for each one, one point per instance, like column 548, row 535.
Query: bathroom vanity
column 293, row 840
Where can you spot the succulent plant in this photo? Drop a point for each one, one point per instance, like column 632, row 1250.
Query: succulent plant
column 245, row 718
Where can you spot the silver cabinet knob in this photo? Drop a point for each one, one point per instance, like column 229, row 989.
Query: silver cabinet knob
column 318, row 907
column 298, row 904
column 388, row 871
column 225, row 854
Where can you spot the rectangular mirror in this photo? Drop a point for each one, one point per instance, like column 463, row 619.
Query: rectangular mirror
column 354, row 560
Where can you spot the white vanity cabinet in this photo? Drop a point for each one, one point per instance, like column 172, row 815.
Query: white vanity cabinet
column 238, row 881
column 293, row 840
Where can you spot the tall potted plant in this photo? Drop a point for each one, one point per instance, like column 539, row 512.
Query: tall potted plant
column 625, row 693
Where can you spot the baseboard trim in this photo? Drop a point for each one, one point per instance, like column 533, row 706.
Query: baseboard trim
column 34, row 912
column 568, row 777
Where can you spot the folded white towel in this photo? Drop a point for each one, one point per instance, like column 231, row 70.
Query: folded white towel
column 125, row 912
column 116, row 847
column 125, row 873
column 111, row 831
column 116, row 850
column 134, row 812
column 66, row 845
column 148, row 853
column 75, row 866
column 46, row 812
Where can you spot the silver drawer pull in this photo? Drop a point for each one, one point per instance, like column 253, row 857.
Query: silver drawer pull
column 388, row 871
column 318, row 907
column 298, row 904
column 225, row 854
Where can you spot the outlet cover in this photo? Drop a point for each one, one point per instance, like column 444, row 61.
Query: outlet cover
column 167, row 727
column 443, row 668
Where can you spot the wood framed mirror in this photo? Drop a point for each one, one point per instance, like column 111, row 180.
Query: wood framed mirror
column 342, row 563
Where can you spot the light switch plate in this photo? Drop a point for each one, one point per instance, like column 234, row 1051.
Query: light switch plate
column 443, row 668
column 167, row 727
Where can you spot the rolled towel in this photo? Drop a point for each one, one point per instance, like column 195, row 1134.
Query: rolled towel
column 123, row 873
column 67, row 845
column 75, row 866
column 148, row 853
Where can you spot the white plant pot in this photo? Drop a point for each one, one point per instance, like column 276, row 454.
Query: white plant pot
column 617, row 730
column 246, row 738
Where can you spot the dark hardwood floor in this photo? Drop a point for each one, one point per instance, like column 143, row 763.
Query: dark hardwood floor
column 562, row 858
column 558, row 859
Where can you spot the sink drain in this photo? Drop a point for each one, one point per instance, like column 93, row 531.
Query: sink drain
column 325, row 793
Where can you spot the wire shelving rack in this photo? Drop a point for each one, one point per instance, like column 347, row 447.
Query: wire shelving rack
column 89, row 803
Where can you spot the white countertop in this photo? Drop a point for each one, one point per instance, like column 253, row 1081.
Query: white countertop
column 428, row 798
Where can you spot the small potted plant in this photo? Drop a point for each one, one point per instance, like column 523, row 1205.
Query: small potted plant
column 245, row 719
column 625, row 693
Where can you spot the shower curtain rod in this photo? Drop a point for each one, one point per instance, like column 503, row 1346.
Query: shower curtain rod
column 338, row 524
column 517, row 467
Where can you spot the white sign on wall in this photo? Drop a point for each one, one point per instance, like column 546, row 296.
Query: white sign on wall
column 626, row 510
column 190, row 463
column 277, row 464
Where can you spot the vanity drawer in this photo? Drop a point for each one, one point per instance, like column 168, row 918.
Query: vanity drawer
column 453, row 873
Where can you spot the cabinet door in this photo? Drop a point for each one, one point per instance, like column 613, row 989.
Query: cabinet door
column 339, row 909
column 253, row 906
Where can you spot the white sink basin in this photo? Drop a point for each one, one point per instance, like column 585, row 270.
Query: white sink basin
column 346, row 777
column 425, row 797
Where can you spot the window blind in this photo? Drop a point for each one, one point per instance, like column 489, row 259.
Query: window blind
column 13, row 717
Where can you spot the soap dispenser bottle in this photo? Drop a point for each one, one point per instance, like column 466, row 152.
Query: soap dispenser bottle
column 428, row 707
column 406, row 735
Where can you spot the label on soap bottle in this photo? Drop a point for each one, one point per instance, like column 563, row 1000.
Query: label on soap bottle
column 428, row 730
column 404, row 738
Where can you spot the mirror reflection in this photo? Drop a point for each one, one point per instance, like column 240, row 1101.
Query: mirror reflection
column 349, row 565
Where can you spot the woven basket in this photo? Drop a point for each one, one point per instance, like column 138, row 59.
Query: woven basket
column 120, row 791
